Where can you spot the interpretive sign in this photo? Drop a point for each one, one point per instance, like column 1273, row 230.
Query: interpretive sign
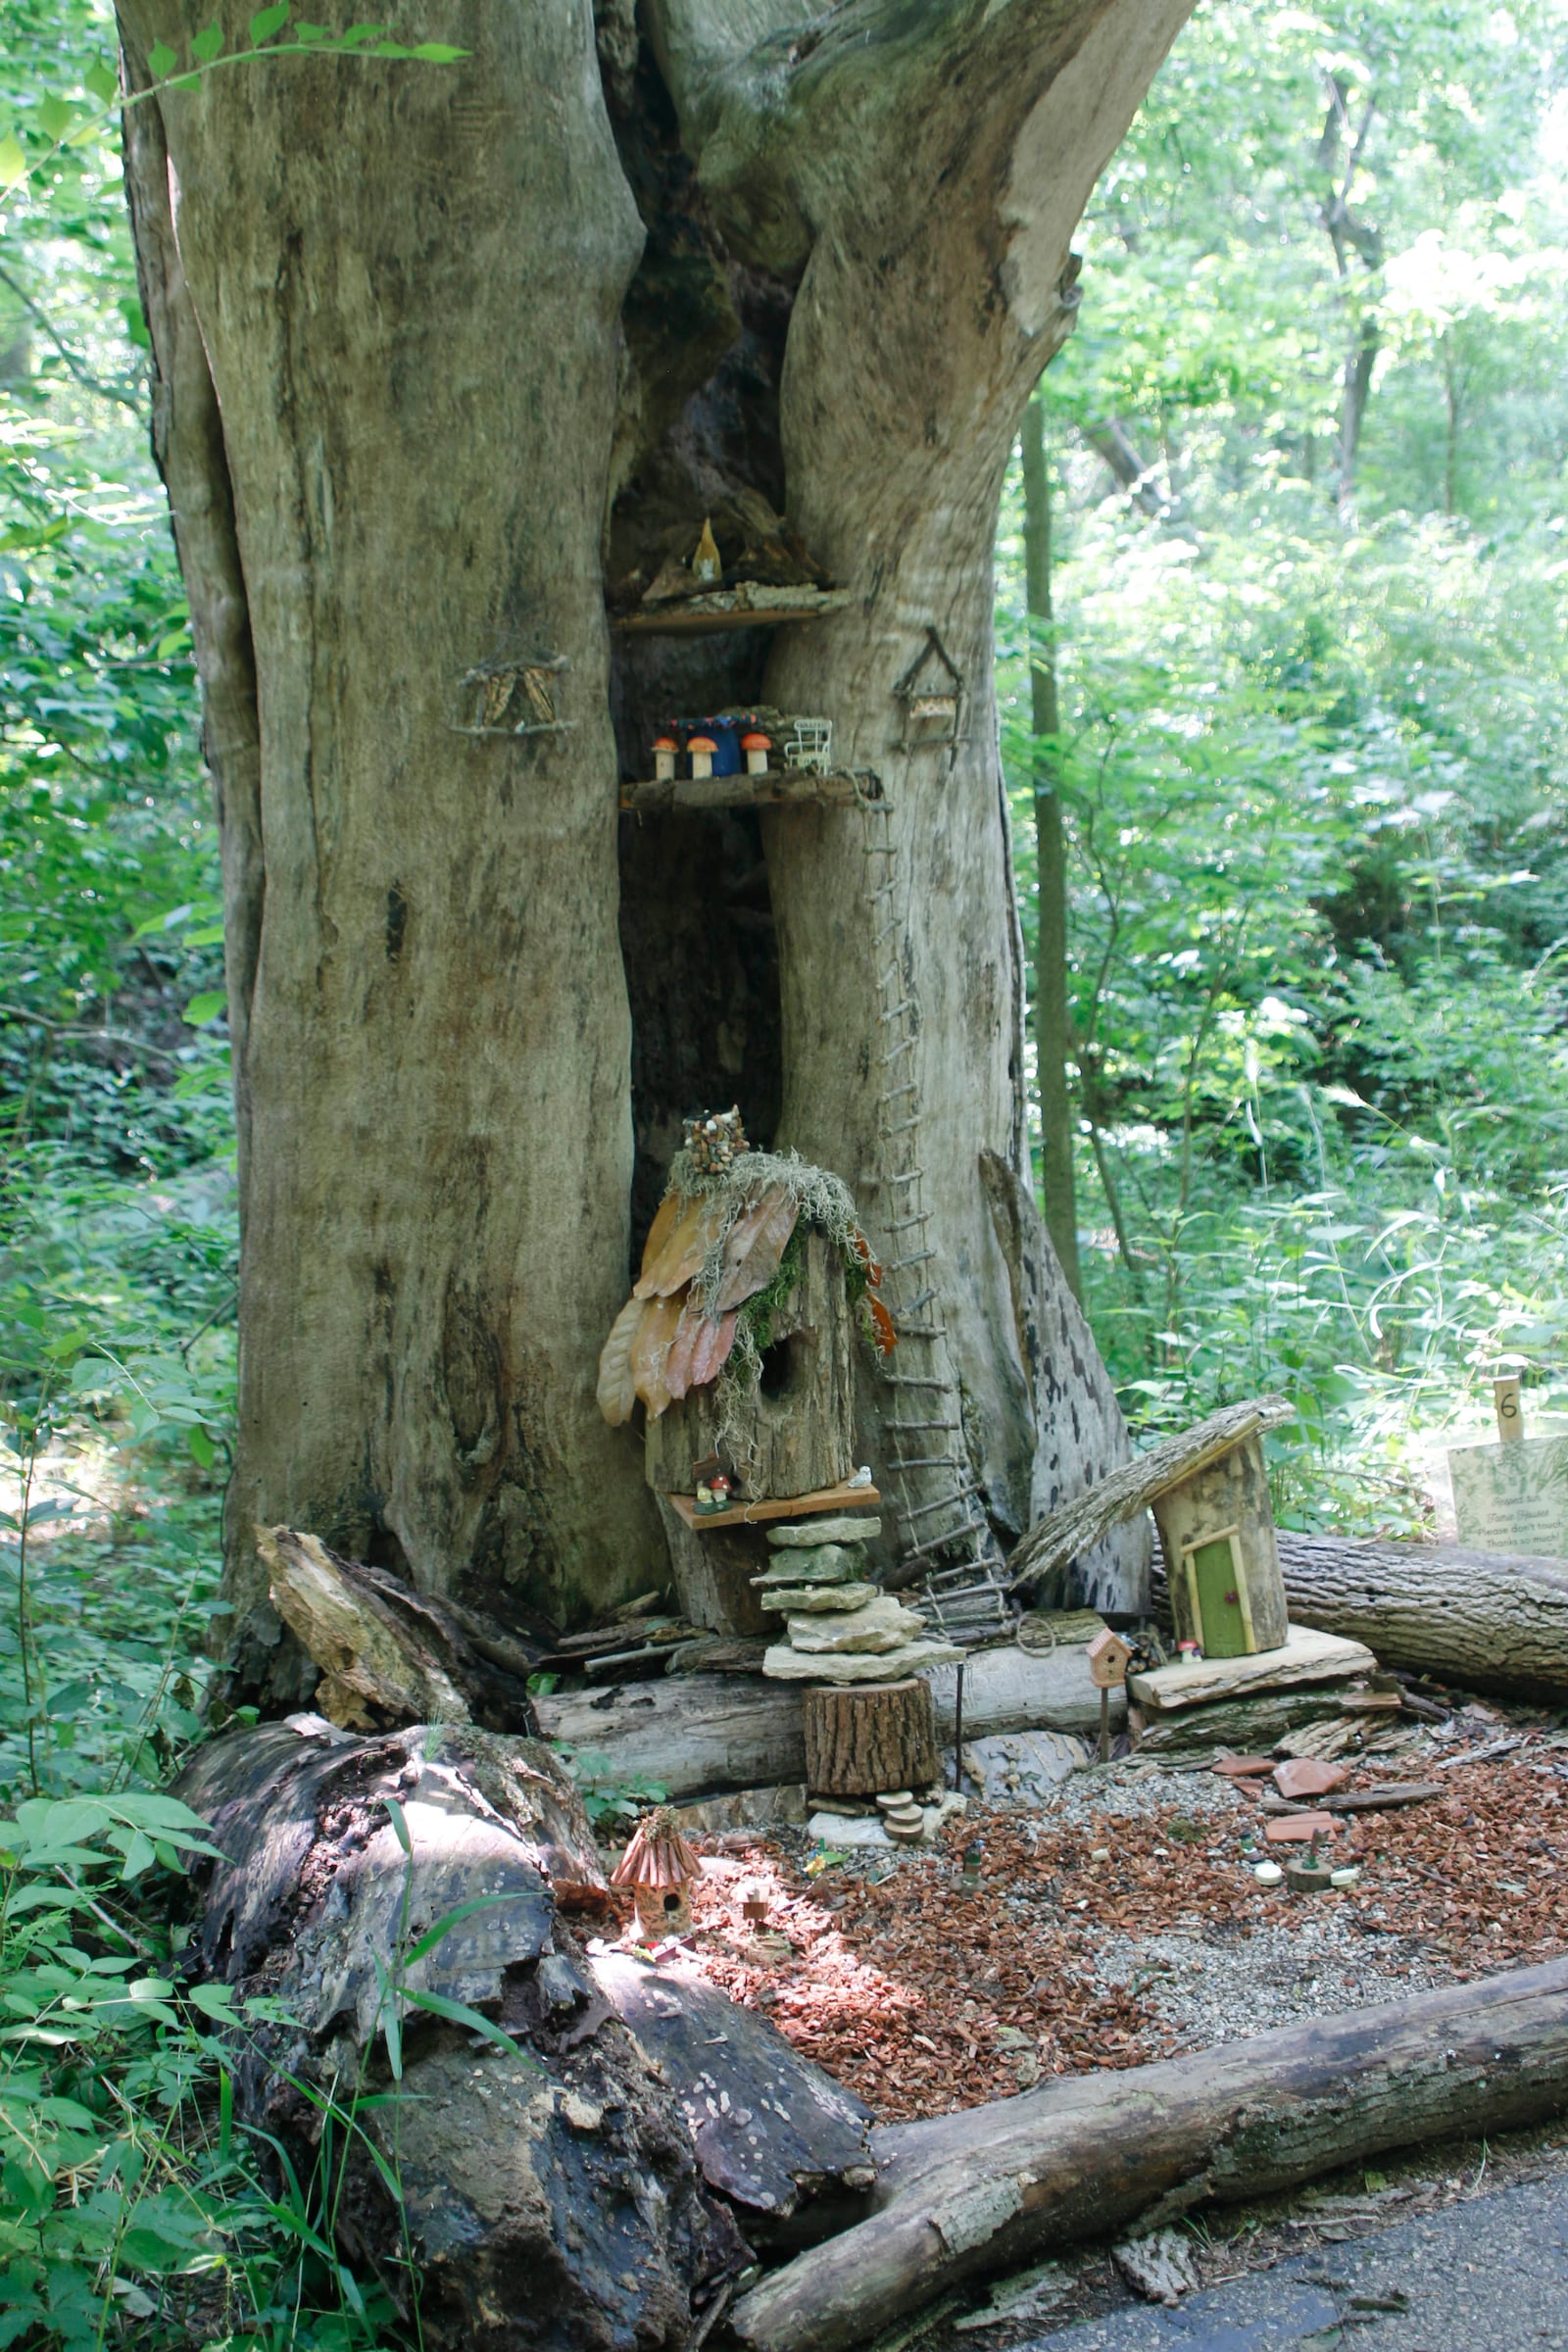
column 1512, row 1498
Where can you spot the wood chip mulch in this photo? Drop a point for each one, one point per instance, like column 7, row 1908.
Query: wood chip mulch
column 926, row 1994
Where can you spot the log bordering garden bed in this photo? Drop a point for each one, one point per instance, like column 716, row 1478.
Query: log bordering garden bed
column 995, row 2186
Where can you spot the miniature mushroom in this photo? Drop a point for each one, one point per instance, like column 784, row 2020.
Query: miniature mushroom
column 702, row 748
column 659, row 1866
column 665, row 748
column 756, row 747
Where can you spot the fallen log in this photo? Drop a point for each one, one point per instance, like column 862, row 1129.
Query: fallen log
column 388, row 1654
column 1000, row 2185
column 699, row 1733
column 615, row 2138
column 1489, row 1621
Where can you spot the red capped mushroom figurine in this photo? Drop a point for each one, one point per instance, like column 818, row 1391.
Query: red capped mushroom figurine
column 659, row 1866
column 756, row 747
column 665, row 748
column 702, row 748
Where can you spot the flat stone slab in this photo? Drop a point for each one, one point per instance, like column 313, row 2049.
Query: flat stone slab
column 1023, row 1767
column 1300, row 1829
column 825, row 1531
column 829, row 1564
column 882, row 1625
column 785, row 1664
column 822, row 1599
column 1308, row 1656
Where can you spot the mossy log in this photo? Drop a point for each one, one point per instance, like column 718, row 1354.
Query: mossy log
column 987, row 2190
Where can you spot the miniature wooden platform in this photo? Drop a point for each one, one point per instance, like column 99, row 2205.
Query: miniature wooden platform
column 748, row 605
column 833, row 788
column 787, row 1506
column 1308, row 1656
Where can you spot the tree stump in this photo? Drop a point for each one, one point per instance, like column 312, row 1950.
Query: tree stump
column 864, row 1739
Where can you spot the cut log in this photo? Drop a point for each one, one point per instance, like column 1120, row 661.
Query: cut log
column 1486, row 1620
column 579, row 2156
column 699, row 1733
column 860, row 1741
column 388, row 1654
column 996, row 2186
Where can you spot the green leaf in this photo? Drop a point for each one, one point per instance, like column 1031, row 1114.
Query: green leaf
column 206, row 1007
column 102, row 81
column 208, row 44
column 266, row 21
column 13, row 163
column 443, row 1927
column 203, row 1453
column 56, row 117
column 400, row 1823
column 457, row 2012
column 160, row 60
column 438, row 53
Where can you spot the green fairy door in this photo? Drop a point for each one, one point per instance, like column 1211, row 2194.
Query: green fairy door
column 1216, row 1577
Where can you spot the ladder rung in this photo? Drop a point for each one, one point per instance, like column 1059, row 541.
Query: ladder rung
column 912, row 1307
column 909, row 1176
column 964, row 1593
column 906, row 1045
column 914, row 1380
column 921, row 1331
column 948, row 1502
column 894, row 1011
column 901, row 1426
column 920, row 1216
column 930, row 1461
column 903, row 1128
column 910, row 1086
column 901, row 1265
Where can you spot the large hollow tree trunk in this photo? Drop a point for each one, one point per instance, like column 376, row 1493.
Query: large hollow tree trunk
column 433, row 410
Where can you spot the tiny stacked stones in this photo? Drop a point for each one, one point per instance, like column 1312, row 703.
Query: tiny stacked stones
column 840, row 1628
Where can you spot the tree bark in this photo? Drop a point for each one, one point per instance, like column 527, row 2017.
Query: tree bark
column 407, row 284
column 1485, row 1620
column 440, row 402
column 862, row 1742
column 999, row 2185
column 1051, row 1024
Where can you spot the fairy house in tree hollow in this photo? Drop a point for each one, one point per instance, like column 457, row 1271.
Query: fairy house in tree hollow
column 739, row 1342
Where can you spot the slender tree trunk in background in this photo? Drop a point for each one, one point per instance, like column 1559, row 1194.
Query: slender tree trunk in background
column 1051, row 1035
column 1339, row 155
column 421, row 396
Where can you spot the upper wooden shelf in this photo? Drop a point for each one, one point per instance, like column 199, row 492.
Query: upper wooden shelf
column 748, row 605
column 834, row 788
column 789, row 1506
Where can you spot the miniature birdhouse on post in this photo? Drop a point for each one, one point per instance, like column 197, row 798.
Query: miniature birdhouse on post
column 1222, row 1561
column 1108, row 1659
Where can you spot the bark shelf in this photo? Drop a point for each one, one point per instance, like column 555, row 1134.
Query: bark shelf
column 834, row 788
column 786, row 1506
column 746, row 607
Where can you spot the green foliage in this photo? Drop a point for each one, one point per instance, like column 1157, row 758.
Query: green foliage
column 1314, row 734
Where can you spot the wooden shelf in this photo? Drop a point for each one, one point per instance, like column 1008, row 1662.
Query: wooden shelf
column 779, row 787
column 789, row 1506
column 746, row 607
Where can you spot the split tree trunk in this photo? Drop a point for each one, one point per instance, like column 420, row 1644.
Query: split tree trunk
column 406, row 284
column 1485, row 1620
column 999, row 2185
column 385, row 302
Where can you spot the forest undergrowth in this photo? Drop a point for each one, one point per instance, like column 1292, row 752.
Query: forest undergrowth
column 1313, row 681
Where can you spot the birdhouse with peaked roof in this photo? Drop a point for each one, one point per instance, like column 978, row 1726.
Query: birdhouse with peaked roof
column 930, row 694
column 1109, row 1657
